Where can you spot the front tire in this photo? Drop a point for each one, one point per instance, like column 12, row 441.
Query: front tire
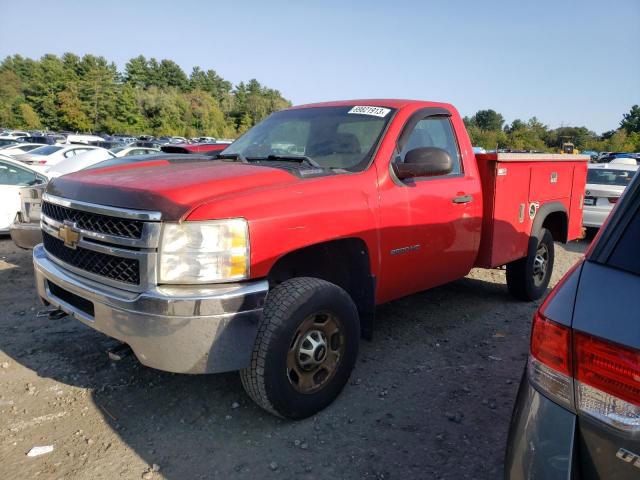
column 528, row 277
column 305, row 350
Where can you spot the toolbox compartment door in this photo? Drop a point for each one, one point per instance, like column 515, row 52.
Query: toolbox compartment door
column 551, row 182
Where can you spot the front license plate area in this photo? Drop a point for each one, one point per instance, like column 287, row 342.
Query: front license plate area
column 82, row 304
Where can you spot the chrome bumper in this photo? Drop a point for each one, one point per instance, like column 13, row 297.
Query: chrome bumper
column 25, row 235
column 177, row 329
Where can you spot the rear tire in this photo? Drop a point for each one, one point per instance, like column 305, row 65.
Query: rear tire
column 528, row 277
column 305, row 350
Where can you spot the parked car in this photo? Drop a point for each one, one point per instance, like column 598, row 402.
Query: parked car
column 49, row 139
column 13, row 176
column 133, row 150
column 78, row 162
column 19, row 148
column 83, row 139
column 577, row 414
column 605, row 184
column 194, row 148
column 273, row 264
column 7, row 142
column 53, row 154
column 592, row 153
column 630, row 160
column 13, row 135
column 203, row 140
column 25, row 229
column 609, row 157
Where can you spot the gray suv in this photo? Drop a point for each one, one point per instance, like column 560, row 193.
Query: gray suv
column 577, row 415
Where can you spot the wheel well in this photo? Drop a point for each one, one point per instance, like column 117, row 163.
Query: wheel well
column 558, row 224
column 343, row 262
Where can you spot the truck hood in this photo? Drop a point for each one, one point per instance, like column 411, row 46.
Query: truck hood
column 173, row 187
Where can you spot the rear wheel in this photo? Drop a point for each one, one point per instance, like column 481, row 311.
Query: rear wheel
column 305, row 350
column 528, row 277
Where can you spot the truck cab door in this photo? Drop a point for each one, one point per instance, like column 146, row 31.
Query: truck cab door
column 430, row 226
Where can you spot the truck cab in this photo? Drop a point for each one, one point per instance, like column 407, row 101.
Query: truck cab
column 272, row 258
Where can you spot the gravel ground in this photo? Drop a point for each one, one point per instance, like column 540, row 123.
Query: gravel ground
column 431, row 396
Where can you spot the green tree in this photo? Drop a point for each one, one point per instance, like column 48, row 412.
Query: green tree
column 211, row 82
column 488, row 139
column 89, row 94
column 27, row 117
column 137, row 72
column 71, row 112
column 487, row 120
column 620, row 141
column 171, row 75
column 98, row 89
column 517, row 124
column 127, row 116
column 631, row 121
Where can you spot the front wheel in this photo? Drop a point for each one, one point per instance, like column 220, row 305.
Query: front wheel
column 305, row 350
column 528, row 277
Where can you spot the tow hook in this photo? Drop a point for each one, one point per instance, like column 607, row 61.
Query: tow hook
column 118, row 352
column 56, row 314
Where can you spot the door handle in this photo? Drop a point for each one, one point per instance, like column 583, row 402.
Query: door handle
column 463, row 199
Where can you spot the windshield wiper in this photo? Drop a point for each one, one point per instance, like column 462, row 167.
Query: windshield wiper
column 290, row 158
column 233, row 156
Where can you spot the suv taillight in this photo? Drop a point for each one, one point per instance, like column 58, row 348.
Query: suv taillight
column 586, row 374
column 607, row 381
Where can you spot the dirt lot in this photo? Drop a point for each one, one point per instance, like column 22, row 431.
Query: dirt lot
column 430, row 397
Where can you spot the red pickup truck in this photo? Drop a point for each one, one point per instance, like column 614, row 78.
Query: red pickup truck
column 272, row 259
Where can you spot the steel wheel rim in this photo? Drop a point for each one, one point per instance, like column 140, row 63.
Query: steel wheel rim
column 540, row 264
column 315, row 352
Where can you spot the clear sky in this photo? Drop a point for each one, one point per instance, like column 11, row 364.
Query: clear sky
column 564, row 61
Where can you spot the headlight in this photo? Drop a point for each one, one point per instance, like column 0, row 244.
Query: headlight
column 204, row 252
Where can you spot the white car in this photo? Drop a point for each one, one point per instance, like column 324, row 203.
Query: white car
column 81, row 138
column 14, row 135
column 133, row 150
column 13, row 176
column 78, row 162
column 53, row 154
column 20, row 148
column 605, row 184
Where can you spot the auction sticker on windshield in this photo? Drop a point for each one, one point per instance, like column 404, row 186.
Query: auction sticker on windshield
column 365, row 110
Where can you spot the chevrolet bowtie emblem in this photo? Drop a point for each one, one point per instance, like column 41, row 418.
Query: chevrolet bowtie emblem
column 69, row 236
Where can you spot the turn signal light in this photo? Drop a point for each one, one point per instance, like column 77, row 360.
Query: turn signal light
column 550, row 361
column 551, row 344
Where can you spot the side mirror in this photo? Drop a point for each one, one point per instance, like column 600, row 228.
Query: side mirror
column 424, row 162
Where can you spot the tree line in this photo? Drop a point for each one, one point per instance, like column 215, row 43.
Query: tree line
column 89, row 94
column 488, row 129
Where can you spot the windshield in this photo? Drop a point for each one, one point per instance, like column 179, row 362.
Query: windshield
column 48, row 150
column 116, row 150
column 602, row 176
column 332, row 137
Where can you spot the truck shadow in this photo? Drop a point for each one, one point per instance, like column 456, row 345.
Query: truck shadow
column 206, row 427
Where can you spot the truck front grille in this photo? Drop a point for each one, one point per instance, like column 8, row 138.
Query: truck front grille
column 126, row 270
column 94, row 222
